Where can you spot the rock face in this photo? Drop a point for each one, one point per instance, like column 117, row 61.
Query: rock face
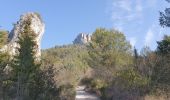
column 37, row 26
column 82, row 38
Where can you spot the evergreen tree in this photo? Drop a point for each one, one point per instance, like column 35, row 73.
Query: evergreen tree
column 136, row 58
column 164, row 46
column 136, row 55
column 25, row 65
column 161, row 72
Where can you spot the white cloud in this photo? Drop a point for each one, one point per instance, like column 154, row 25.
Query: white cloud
column 154, row 33
column 124, row 4
column 125, row 11
column 149, row 37
column 131, row 15
column 133, row 41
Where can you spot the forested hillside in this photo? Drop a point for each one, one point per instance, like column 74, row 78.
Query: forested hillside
column 69, row 62
column 112, row 69
column 102, row 65
column 107, row 66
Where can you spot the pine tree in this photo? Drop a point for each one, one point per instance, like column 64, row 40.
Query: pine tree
column 25, row 65
column 164, row 46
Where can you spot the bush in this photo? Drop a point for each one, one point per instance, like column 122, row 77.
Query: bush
column 86, row 81
column 127, row 85
column 98, row 84
column 67, row 92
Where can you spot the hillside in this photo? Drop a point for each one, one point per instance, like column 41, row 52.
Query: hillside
column 119, row 54
column 69, row 62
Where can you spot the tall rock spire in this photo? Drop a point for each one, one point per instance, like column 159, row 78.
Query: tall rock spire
column 37, row 26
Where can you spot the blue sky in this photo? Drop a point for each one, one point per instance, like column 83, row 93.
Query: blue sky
column 65, row 19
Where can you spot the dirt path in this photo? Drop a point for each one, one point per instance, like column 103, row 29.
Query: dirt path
column 83, row 95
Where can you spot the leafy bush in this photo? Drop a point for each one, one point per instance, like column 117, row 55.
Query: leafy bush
column 67, row 92
column 126, row 85
column 98, row 84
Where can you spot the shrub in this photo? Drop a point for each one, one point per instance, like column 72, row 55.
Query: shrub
column 67, row 92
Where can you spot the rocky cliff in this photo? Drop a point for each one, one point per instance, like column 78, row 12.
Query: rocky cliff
column 82, row 38
column 37, row 26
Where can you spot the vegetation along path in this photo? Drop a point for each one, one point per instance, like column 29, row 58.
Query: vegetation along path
column 81, row 94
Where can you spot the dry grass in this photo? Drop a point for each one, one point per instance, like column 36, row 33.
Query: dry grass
column 153, row 97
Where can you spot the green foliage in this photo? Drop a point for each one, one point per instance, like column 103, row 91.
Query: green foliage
column 69, row 66
column 136, row 55
column 110, row 57
column 163, row 46
column 4, row 57
column 4, row 60
column 161, row 72
column 69, row 63
column 109, row 51
column 29, row 81
column 114, row 73
column 98, row 84
column 25, row 66
column 131, row 78
column 3, row 38
column 67, row 92
column 160, row 78
column 109, row 48
column 127, row 85
column 48, row 89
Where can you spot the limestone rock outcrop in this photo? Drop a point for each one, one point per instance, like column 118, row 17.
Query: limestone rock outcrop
column 82, row 38
column 37, row 25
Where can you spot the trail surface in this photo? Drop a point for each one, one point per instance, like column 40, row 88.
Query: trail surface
column 81, row 94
